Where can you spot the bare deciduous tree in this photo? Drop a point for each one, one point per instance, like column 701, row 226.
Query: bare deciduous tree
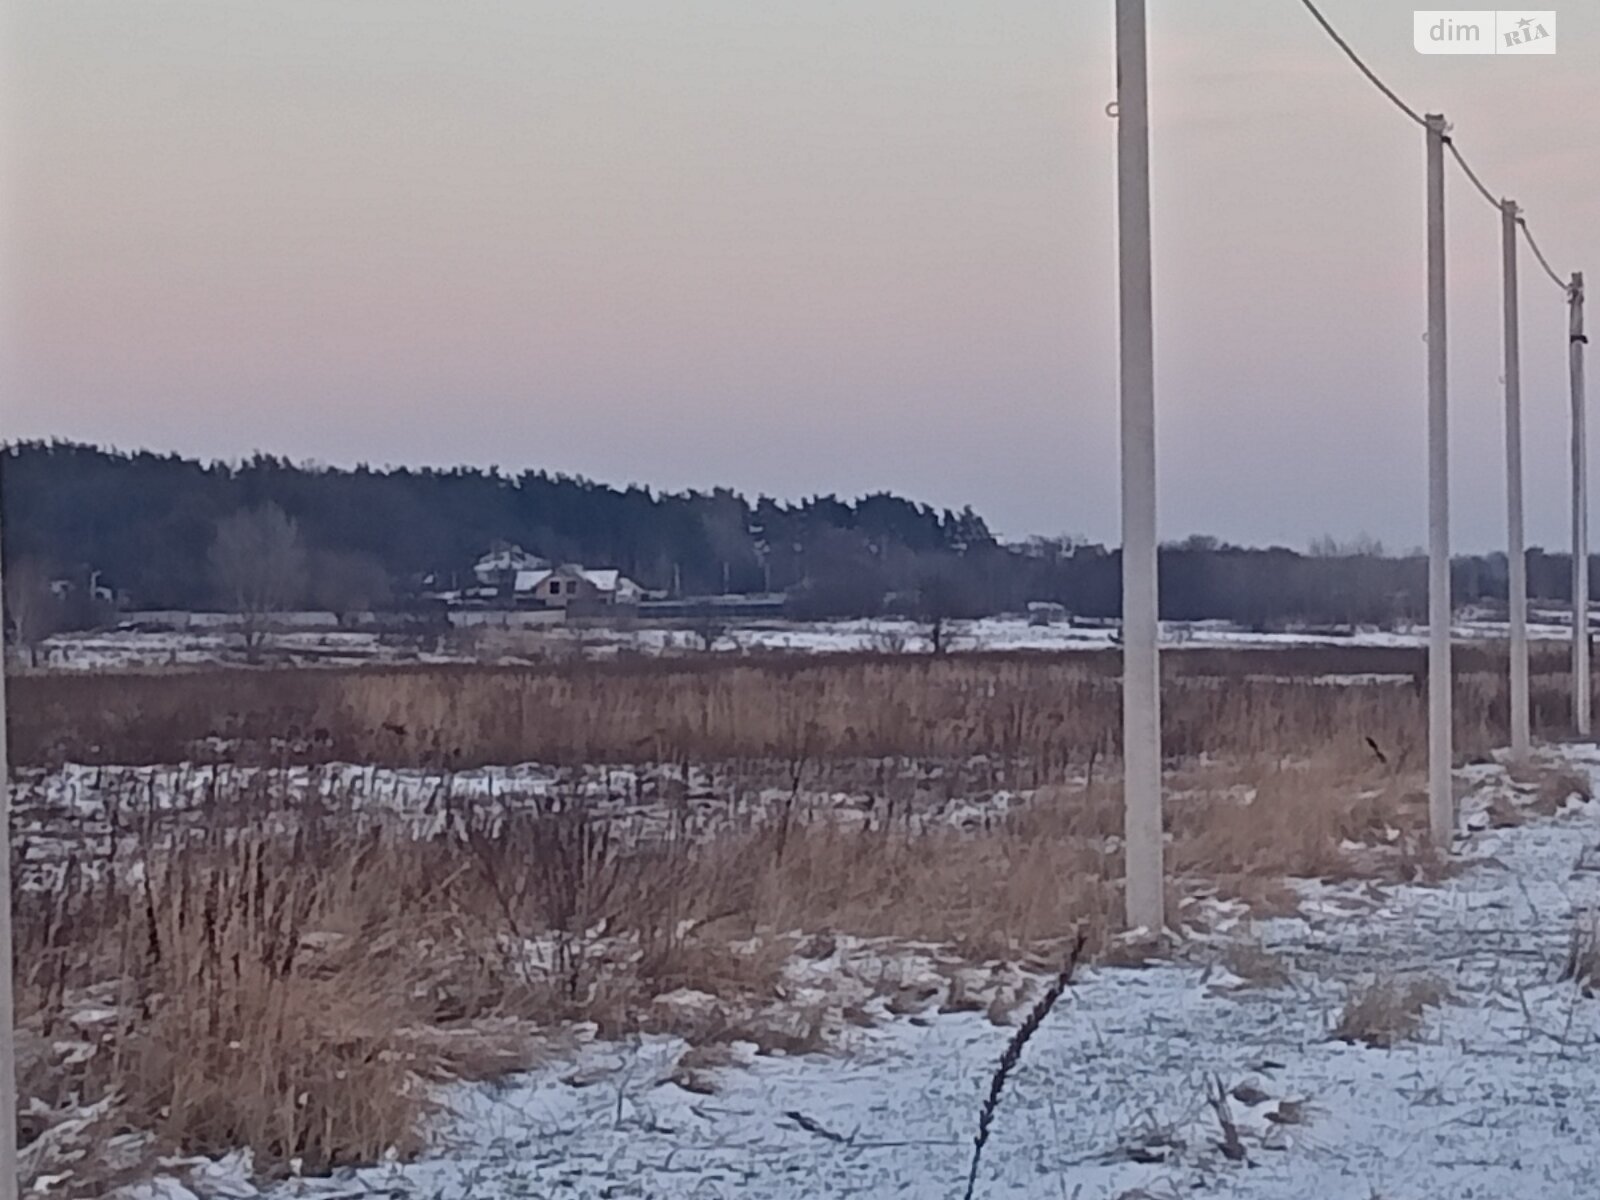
column 942, row 597
column 346, row 583
column 258, row 567
column 708, row 625
column 33, row 610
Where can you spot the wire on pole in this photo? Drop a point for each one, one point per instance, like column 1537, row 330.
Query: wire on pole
column 1441, row 805
column 1522, row 221
column 1394, row 98
column 1365, row 70
column 1539, row 254
column 1471, row 174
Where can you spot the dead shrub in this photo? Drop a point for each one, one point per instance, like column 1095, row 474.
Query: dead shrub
column 1249, row 827
column 1582, row 965
column 287, row 992
column 1256, row 965
column 960, row 998
column 1557, row 786
column 1030, row 882
column 1387, row 1012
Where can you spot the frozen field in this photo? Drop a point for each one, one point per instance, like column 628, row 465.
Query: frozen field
column 1496, row 1096
column 122, row 650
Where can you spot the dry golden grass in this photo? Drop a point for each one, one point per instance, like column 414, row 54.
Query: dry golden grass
column 1255, row 965
column 1248, row 827
column 1557, row 786
column 292, row 994
column 292, row 979
column 1047, row 710
column 1027, row 882
column 1552, row 786
column 1582, row 966
column 292, row 985
column 1386, row 1012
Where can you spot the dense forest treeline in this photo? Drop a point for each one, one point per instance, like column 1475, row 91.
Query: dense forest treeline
column 147, row 522
column 146, row 526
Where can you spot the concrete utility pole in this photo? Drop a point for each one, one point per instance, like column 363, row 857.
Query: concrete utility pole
column 1516, row 553
column 8, row 1048
column 1441, row 797
column 1141, row 669
column 1580, row 512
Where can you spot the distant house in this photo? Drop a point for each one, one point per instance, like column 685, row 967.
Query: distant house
column 571, row 584
column 1046, row 612
column 83, row 583
column 501, row 566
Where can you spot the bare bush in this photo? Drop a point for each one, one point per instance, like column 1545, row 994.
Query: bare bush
column 347, row 582
column 32, row 610
column 1558, row 786
column 1582, row 965
column 1255, row 965
column 708, row 626
column 287, row 993
column 258, row 568
column 1386, row 1012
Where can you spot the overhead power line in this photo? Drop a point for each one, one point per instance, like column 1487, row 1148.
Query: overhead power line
column 1470, row 173
column 1365, row 70
column 1455, row 151
column 1441, row 808
column 1539, row 254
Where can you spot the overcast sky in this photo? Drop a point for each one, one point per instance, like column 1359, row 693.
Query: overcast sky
column 793, row 246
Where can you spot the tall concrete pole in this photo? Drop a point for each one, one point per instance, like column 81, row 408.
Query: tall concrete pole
column 1141, row 670
column 1516, row 552
column 1441, row 798
column 8, row 1049
column 1580, row 512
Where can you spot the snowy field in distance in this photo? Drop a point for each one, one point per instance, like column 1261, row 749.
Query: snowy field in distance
column 134, row 650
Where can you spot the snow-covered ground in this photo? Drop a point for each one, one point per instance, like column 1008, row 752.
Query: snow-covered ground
column 132, row 649
column 1497, row 1098
column 135, row 649
column 1015, row 633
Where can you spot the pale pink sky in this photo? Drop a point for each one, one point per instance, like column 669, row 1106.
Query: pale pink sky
column 791, row 246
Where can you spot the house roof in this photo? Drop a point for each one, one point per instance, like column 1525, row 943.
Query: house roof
column 528, row 580
column 511, row 558
column 607, row 580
